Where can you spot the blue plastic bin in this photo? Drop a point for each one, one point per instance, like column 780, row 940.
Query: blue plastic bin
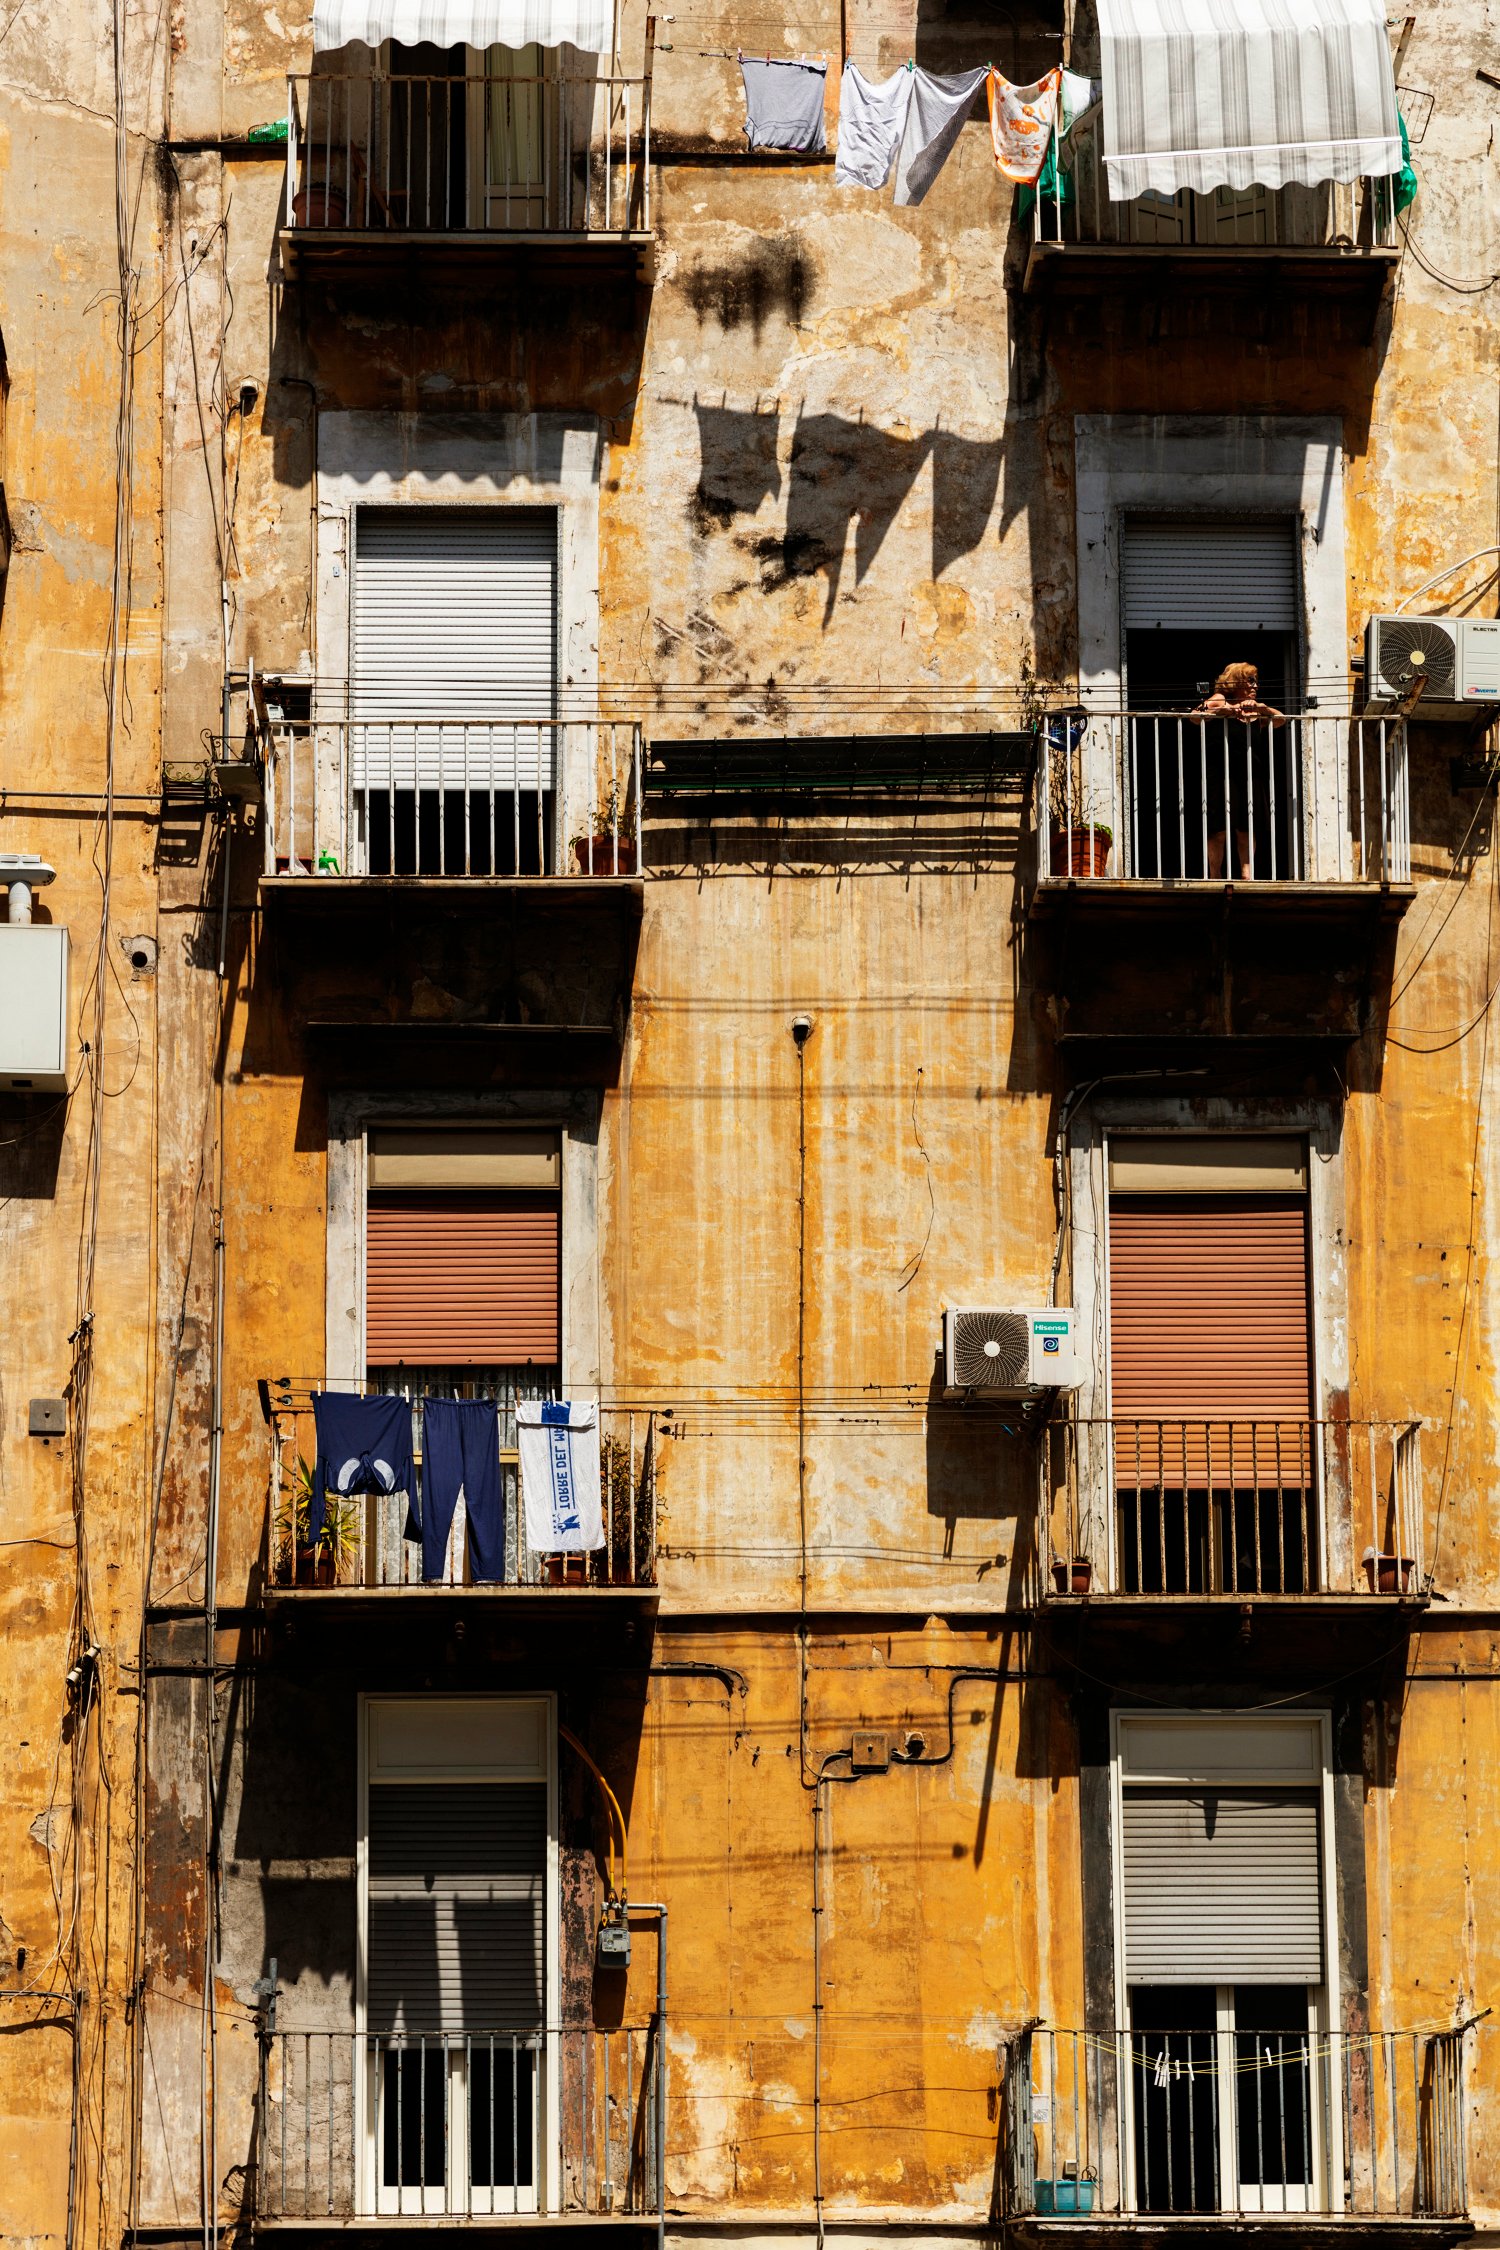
column 1064, row 2199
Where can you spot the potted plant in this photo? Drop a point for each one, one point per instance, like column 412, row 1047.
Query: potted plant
column 608, row 848
column 1079, row 841
column 302, row 1561
column 565, row 1570
column 1389, row 1573
column 1074, row 1576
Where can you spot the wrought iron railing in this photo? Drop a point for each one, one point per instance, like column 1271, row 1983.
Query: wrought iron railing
column 544, row 151
column 467, row 2124
column 1229, row 2123
column 1073, row 205
column 1151, row 795
column 367, row 1538
column 1186, row 1506
column 453, row 796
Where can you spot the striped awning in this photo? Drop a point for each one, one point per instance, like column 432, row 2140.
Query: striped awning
column 588, row 24
column 1241, row 93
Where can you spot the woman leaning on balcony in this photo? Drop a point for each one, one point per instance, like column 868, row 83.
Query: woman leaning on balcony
column 1246, row 760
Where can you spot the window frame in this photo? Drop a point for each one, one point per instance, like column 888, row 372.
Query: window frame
column 372, row 2198
column 1315, row 1727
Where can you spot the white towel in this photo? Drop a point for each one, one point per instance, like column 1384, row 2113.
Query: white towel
column 939, row 107
column 871, row 122
column 559, row 1449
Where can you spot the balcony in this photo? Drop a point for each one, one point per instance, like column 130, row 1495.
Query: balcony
column 461, row 896
column 1183, row 1528
column 460, row 178
column 1339, row 2135
column 474, row 2126
column 365, row 1556
column 1330, row 242
column 1202, row 881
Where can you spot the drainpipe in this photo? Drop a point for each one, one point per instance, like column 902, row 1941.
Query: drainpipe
column 654, row 1906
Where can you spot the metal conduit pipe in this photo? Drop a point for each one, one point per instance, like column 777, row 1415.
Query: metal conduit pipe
column 655, row 1906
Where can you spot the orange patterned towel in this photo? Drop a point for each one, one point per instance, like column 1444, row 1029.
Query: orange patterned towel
column 1021, row 123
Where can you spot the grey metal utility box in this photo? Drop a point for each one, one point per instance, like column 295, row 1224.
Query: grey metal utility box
column 33, row 1006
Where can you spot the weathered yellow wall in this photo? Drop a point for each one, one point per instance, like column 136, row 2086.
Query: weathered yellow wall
column 839, row 459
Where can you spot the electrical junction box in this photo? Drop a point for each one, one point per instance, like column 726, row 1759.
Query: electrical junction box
column 33, row 1007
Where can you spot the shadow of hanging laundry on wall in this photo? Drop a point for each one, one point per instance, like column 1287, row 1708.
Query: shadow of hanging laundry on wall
column 841, row 471
column 737, row 464
column 775, row 277
column 965, row 480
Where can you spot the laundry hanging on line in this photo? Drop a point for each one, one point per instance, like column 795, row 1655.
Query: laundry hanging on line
column 461, row 1454
column 558, row 1443
column 1022, row 119
column 363, row 1445
column 784, row 104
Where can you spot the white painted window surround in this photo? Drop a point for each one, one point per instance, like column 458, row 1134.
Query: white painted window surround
column 1108, row 1116
column 530, row 461
column 574, row 1115
column 1222, row 466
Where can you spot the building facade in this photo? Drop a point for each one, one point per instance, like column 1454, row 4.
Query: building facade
column 605, row 802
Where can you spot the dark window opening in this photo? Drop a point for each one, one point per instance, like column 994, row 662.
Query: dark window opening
column 457, row 832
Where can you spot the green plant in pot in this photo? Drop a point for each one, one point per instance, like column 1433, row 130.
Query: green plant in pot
column 329, row 1560
column 1080, row 841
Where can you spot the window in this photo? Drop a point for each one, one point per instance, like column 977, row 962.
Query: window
column 1200, row 593
column 463, row 1228
column 1223, row 1946
column 1216, row 1468
column 467, row 137
column 457, row 1932
column 452, row 752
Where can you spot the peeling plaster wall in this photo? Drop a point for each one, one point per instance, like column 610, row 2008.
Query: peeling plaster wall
column 835, row 452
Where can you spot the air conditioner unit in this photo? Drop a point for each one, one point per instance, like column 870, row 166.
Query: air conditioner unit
column 1459, row 658
column 1010, row 1354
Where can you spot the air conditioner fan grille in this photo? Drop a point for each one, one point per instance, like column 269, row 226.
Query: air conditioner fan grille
column 991, row 1351
column 1411, row 647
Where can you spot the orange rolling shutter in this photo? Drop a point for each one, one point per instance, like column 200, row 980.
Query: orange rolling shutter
column 1209, row 1322
column 455, row 1279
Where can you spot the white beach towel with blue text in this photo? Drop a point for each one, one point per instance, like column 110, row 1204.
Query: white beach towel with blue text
column 559, row 1447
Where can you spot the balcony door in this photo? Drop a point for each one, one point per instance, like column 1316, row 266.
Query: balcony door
column 458, row 1932
column 463, row 1246
column 1200, row 593
column 1215, row 1451
column 452, row 738
column 1229, row 2092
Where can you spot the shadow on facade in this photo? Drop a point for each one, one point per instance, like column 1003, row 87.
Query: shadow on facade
column 841, row 474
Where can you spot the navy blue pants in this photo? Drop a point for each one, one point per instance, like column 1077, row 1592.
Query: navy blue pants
column 364, row 1445
column 461, row 1446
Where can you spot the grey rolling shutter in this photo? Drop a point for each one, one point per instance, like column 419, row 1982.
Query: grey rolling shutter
column 1200, row 574
column 457, row 1877
column 1221, row 1886
column 455, row 627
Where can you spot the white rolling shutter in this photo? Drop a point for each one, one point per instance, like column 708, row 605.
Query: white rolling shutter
column 1201, row 574
column 1221, row 1886
column 454, row 647
column 456, row 1930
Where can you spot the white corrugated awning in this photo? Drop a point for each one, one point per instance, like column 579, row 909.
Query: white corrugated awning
column 1242, row 93
column 588, row 24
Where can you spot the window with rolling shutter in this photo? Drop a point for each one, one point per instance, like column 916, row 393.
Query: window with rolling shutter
column 1209, row 574
column 462, row 1277
column 456, row 1922
column 1221, row 1886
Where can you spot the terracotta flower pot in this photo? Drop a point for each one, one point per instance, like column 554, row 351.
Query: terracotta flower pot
column 565, row 1570
column 1075, row 1577
column 1389, row 1574
column 320, row 205
column 600, row 855
column 1081, row 851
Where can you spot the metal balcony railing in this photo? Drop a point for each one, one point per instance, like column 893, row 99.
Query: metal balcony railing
column 465, row 2125
column 1073, row 206
column 1165, row 795
column 540, row 152
column 453, row 796
column 365, row 1542
column 1235, row 2123
column 1179, row 1506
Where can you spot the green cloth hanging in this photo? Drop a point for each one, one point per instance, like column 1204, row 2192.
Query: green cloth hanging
column 1404, row 182
column 1052, row 186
